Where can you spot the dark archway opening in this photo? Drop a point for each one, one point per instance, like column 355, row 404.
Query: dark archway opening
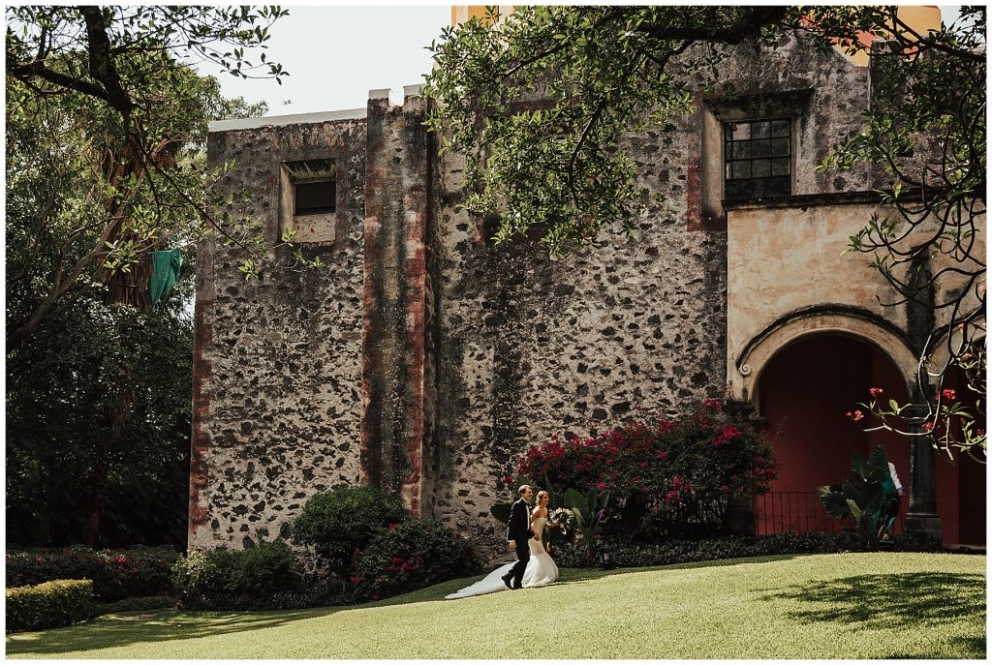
column 805, row 393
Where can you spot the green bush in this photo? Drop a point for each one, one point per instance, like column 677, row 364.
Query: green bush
column 116, row 574
column 251, row 579
column 49, row 605
column 411, row 556
column 668, row 478
column 339, row 523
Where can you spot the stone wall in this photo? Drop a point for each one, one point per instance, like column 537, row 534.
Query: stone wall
column 530, row 347
column 426, row 359
column 277, row 375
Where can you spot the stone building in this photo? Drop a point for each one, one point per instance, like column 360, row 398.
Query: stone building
column 426, row 359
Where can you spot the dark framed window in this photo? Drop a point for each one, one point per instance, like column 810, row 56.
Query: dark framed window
column 315, row 198
column 757, row 157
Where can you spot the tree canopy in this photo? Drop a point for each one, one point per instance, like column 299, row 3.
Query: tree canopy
column 106, row 121
column 106, row 128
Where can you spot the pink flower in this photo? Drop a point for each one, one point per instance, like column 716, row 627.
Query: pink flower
column 601, row 486
column 392, row 526
column 875, row 392
column 948, row 394
column 928, row 426
column 856, row 415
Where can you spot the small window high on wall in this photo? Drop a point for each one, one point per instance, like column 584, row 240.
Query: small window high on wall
column 309, row 199
column 757, row 157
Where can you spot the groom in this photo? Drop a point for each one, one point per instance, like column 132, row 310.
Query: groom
column 518, row 532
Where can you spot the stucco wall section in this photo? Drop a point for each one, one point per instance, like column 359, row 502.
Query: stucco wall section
column 278, row 359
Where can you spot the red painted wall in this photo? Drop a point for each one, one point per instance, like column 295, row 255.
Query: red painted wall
column 805, row 393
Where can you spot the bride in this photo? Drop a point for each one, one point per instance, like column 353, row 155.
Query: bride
column 541, row 569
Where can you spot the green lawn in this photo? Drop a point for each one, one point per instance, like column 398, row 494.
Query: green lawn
column 883, row 605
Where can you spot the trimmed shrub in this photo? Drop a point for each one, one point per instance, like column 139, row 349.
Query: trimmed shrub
column 49, row 605
column 667, row 478
column 339, row 523
column 116, row 574
column 259, row 578
column 411, row 556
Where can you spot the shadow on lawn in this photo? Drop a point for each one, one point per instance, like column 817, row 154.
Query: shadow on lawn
column 119, row 630
column 906, row 599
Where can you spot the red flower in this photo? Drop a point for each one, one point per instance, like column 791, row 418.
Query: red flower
column 928, row 426
column 397, row 560
column 601, row 486
column 856, row 415
column 392, row 526
column 875, row 392
column 948, row 394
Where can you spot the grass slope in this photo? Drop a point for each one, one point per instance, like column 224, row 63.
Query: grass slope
column 883, row 605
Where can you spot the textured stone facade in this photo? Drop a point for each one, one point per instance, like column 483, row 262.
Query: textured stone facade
column 425, row 358
column 277, row 385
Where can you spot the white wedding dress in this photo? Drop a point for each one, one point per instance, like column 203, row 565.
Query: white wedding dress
column 541, row 570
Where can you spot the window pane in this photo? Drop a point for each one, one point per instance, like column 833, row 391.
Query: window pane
column 781, row 127
column 779, row 147
column 757, row 159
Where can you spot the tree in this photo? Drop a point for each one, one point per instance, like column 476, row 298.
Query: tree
column 551, row 158
column 121, row 115
column 61, row 444
column 537, row 103
column 106, row 127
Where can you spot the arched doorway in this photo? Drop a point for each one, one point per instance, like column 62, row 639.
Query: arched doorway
column 805, row 392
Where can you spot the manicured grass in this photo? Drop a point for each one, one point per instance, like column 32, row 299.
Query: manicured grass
column 883, row 605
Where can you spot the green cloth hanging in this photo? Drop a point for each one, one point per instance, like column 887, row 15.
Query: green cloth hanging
column 165, row 273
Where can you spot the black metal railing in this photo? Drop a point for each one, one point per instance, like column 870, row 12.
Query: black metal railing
column 799, row 512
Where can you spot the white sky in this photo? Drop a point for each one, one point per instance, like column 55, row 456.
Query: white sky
column 336, row 54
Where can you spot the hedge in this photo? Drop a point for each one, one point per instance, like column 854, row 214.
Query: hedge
column 49, row 605
column 116, row 574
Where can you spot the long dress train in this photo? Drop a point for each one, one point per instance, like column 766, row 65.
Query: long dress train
column 541, row 570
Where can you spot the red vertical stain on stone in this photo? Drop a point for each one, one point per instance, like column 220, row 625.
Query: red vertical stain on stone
column 694, row 198
column 200, row 444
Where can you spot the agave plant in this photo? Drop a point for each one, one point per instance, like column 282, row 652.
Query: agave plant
column 863, row 497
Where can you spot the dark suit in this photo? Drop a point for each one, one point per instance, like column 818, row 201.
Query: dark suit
column 518, row 530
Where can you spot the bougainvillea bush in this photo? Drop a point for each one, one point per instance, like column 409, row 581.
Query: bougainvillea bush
column 668, row 477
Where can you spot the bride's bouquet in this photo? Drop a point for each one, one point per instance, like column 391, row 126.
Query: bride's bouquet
column 564, row 518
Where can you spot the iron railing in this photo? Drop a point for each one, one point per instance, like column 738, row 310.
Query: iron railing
column 799, row 512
